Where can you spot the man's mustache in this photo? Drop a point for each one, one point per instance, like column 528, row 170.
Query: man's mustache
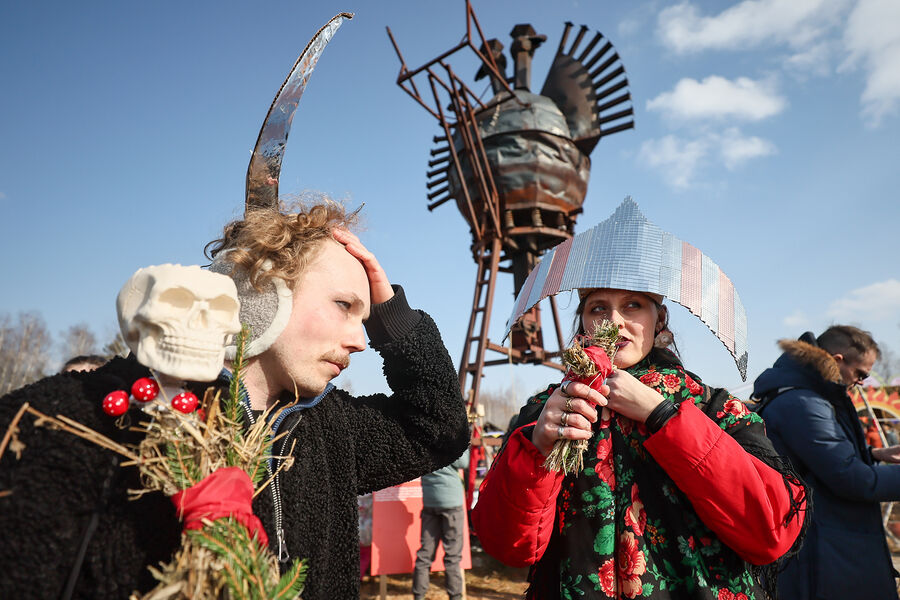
column 342, row 360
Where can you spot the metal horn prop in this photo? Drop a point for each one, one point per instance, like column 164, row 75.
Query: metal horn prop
column 265, row 164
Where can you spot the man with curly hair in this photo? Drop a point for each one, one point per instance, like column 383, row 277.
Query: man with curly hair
column 308, row 289
column 307, row 286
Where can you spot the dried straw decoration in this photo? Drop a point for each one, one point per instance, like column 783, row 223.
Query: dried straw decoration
column 568, row 455
column 220, row 560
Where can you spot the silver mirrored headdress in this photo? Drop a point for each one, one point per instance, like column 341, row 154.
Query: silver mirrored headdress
column 628, row 252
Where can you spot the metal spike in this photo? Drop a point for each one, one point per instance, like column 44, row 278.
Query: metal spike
column 617, row 128
column 437, row 171
column 612, row 89
column 578, row 38
column 435, row 182
column 434, row 205
column 606, row 48
column 606, row 79
column 597, row 37
column 440, row 150
column 615, row 101
column 437, row 193
column 439, row 138
column 437, row 161
column 606, row 64
column 565, row 36
column 616, row 116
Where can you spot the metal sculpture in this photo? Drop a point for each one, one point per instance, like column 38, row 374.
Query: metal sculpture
column 517, row 165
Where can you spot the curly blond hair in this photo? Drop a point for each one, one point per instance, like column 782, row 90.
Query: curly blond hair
column 289, row 237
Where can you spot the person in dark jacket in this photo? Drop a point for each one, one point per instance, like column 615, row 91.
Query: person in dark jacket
column 442, row 521
column 307, row 287
column 810, row 419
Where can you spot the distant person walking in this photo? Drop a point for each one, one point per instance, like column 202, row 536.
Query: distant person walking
column 443, row 514
column 810, row 419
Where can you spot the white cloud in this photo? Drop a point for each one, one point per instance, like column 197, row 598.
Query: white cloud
column 677, row 158
column 736, row 149
column 719, row 98
column 814, row 32
column 872, row 38
column 796, row 320
column 815, row 60
column 2, row 196
column 680, row 159
column 878, row 301
column 749, row 24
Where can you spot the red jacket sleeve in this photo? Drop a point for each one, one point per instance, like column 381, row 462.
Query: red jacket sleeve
column 516, row 506
column 740, row 498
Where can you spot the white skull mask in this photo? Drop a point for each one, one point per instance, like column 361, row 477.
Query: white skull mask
column 178, row 319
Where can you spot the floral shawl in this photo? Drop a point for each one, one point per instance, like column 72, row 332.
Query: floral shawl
column 624, row 530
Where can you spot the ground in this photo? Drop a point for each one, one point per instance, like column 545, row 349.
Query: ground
column 486, row 580
column 490, row 580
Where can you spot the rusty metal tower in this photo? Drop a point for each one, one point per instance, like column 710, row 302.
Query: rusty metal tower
column 517, row 164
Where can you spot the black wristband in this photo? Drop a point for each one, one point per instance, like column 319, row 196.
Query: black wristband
column 660, row 415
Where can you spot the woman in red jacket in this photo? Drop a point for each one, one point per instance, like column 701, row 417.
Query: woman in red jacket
column 681, row 494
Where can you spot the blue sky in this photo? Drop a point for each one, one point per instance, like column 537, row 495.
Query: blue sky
column 766, row 135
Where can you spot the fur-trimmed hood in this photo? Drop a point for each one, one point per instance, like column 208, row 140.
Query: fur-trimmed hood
column 802, row 365
column 814, row 357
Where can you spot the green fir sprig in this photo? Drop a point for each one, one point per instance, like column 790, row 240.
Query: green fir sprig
column 247, row 562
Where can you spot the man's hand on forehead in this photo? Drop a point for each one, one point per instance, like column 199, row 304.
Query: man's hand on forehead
column 379, row 285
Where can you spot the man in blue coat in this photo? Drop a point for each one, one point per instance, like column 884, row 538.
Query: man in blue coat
column 810, row 419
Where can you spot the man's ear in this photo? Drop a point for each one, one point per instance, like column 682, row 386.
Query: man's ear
column 838, row 356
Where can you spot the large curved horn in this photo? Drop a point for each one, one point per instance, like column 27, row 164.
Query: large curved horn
column 265, row 164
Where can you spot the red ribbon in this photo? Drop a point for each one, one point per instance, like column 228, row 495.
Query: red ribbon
column 604, row 367
column 226, row 492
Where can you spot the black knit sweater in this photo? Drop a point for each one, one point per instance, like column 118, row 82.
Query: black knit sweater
column 345, row 446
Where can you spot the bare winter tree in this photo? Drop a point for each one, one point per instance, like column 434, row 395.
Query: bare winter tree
column 78, row 340
column 500, row 406
column 115, row 347
column 888, row 366
column 25, row 346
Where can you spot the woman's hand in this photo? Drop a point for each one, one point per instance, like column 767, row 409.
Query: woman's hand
column 577, row 402
column 631, row 398
column 379, row 286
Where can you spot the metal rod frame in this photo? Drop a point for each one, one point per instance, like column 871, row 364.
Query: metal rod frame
column 488, row 237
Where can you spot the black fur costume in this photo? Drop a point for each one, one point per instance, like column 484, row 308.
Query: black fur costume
column 345, row 446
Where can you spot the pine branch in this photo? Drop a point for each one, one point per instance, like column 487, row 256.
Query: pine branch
column 292, row 583
column 233, row 406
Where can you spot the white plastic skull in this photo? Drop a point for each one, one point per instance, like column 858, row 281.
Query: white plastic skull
column 177, row 320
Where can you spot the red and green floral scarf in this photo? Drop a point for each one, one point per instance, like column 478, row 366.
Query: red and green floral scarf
column 623, row 529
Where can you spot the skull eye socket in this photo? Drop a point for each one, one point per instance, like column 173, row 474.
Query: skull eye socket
column 223, row 306
column 178, row 297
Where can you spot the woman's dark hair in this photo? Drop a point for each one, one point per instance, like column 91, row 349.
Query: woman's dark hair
column 664, row 338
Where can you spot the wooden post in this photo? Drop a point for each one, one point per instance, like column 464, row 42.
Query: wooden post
column 463, row 573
